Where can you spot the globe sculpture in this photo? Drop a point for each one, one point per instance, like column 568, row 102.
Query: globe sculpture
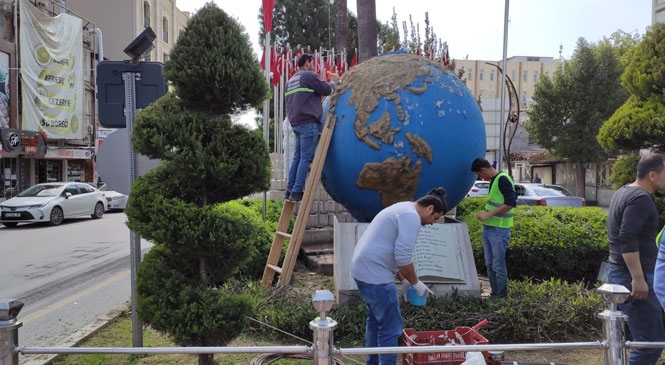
column 403, row 125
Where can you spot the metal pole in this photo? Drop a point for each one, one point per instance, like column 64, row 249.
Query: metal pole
column 323, row 328
column 503, row 87
column 613, row 323
column 129, row 79
column 9, row 326
column 266, row 111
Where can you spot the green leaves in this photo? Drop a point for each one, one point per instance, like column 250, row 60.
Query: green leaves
column 639, row 122
column 212, row 66
column 546, row 242
column 570, row 110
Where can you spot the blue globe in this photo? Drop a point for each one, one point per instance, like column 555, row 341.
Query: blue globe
column 403, row 125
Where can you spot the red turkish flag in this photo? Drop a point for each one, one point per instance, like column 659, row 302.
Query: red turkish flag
column 354, row 60
column 268, row 6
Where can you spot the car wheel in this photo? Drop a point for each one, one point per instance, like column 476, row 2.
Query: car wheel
column 10, row 224
column 57, row 216
column 99, row 211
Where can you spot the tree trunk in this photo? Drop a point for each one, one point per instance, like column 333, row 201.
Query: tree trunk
column 342, row 26
column 580, row 179
column 205, row 359
column 367, row 31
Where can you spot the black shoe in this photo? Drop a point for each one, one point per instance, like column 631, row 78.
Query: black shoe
column 287, row 195
column 296, row 196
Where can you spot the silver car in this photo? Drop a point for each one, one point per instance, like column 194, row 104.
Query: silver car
column 52, row 203
column 114, row 199
column 546, row 195
column 479, row 188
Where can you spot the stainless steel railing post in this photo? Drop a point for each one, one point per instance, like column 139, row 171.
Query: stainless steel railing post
column 323, row 328
column 613, row 323
column 9, row 310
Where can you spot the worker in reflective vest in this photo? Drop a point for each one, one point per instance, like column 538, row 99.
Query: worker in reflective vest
column 497, row 220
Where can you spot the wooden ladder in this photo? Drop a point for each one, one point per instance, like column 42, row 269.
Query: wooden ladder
column 296, row 236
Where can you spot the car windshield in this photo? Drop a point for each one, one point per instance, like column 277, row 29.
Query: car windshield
column 41, row 190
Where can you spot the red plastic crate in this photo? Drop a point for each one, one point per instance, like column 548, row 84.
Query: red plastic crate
column 460, row 336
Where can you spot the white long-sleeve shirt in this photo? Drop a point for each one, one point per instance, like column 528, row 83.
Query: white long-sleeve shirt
column 387, row 244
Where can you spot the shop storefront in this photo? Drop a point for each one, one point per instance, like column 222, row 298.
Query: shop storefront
column 18, row 148
column 65, row 164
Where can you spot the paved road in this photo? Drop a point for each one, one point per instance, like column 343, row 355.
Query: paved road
column 69, row 277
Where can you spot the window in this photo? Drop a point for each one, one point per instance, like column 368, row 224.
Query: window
column 165, row 30
column 524, row 98
column 480, row 75
column 491, row 75
column 514, row 75
column 165, row 57
column 524, row 76
column 535, row 76
column 146, row 14
column 469, row 75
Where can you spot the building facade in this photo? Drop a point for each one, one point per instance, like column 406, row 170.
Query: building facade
column 484, row 79
column 49, row 130
column 658, row 12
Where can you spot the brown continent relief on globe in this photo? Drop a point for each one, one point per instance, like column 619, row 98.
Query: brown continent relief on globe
column 381, row 77
column 395, row 180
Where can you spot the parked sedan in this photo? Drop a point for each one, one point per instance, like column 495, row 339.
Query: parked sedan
column 479, row 188
column 546, row 195
column 52, row 203
column 114, row 199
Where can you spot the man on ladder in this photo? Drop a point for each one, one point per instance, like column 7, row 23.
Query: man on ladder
column 304, row 111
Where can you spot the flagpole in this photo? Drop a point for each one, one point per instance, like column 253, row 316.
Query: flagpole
column 266, row 112
column 503, row 88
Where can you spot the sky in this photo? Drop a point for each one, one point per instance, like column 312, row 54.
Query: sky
column 475, row 28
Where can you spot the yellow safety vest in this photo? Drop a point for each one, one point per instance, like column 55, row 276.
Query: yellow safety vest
column 495, row 199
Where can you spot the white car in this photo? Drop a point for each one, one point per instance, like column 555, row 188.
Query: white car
column 52, row 203
column 479, row 188
column 114, row 199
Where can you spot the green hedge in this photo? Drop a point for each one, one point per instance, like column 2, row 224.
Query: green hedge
column 547, row 311
column 547, row 242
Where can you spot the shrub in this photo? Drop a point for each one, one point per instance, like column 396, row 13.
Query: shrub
column 547, row 242
column 552, row 310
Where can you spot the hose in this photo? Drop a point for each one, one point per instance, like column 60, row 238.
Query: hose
column 259, row 359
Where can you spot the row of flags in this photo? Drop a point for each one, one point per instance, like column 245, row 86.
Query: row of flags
column 283, row 61
column 326, row 62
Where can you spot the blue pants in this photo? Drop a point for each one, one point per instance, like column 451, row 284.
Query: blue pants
column 307, row 137
column 645, row 317
column 495, row 243
column 384, row 324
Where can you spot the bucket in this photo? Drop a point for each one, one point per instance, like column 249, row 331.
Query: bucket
column 414, row 298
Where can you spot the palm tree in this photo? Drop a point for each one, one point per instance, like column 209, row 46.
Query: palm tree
column 342, row 27
column 367, row 30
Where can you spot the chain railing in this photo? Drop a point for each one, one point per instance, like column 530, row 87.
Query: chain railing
column 322, row 351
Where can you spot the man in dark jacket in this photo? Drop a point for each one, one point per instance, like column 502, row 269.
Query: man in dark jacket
column 632, row 225
column 304, row 110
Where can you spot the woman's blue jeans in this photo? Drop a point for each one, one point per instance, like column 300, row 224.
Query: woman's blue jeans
column 495, row 243
column 645, row 317
column 307, row 137
column 384, row 324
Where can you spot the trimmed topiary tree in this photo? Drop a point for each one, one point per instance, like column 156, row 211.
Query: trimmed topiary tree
column 201, row 239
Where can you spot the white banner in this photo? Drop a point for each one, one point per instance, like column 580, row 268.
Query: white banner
column 51, row 73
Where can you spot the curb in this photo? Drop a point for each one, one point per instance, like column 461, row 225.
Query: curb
column 79, row 336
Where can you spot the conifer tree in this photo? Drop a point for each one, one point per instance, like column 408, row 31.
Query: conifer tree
column 200, row 238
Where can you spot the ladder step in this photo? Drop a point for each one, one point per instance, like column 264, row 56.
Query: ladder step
column 283, row 234
column 274, row 268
